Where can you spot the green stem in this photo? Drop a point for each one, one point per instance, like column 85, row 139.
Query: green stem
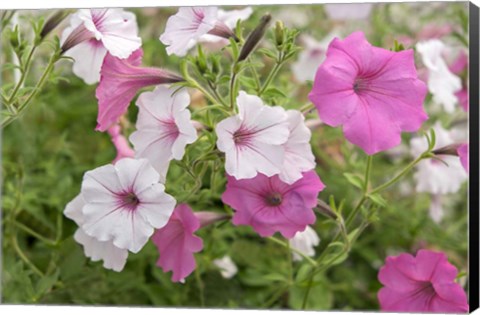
column 20, row 253
column 200, row 287
column 23, row 76
column 290, row 262
column 33, row 233
column 232, row 88
column 407, row 169
column 309, row 259
column 271, row 75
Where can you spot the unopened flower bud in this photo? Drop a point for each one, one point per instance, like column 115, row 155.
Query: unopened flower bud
column 279, row 33
column 15, row 37
column 77, row 36
column 53, row 22
column 209, row 217
column 254, row 38
column 324, row 208
column 221, row 29
column 451, row 149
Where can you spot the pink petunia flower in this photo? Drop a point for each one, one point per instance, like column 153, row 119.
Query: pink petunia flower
column 425, row 283
column 463, row 154
column 124, row 203
column 119, row 83
column 187, row 27
column 270, row 205
column 177, row 243
column 163, row 127
column 373, row 92
column 121, row 144
column 94, row 32
column 253, row 140
column 113, row 257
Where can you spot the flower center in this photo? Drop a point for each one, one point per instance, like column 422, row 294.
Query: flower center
column 242, row 137
column 199, row 15
column 274, row 199
column 360, row 85
column 130, row 201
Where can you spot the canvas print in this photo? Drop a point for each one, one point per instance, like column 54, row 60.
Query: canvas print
column 302, row 157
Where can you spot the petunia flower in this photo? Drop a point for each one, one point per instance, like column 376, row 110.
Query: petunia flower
column 253, row 141
column 298, row 156
column 120, row 81
column 348, row 11
column 124, row 203
column 432, row 175
column 184, row 29
column 121, row 144
column 94, row 32
column 373, row 92
column 311, row 57
column 442, row 83
column 463, row 154
column 163, row 127
column 304, row 242
column 421, row 284
column 176, row 243
column 113, row 257
column 227, row 267
column 270, row 205
column 459, row 65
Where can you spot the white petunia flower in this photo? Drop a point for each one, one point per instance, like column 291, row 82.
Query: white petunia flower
column 94, row 32
column 305, row 243
column 311, row 57
column 163, row 127
column 113, row 257
column 442, row 83
column 227, row 267
column 436, row 208
column 125, row 203
column 298, row 152
column 253, row 141
column 434, row 176
column 348, row 11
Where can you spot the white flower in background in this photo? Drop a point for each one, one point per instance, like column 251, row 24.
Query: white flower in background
column 94, row 32
column 436, row 208
column 190, row 24
column 163, row 127
column 293, row 16
column 113, row 257
column 124, row 203
column 253, row 141
column 227, row 267
column 348, row 11
column 433, row 176
column 230, row 18
column 442, row 83
column 305, row 243
column 311, row 57
column 298, row 151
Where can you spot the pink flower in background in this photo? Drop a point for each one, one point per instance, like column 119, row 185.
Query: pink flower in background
column 463, row 154
column 298, row 151
column 425, row 283
column 311, row 57
column 176, row 243
column 94, row 32
column 462, row 97
column 163, row 127
column 348, row 11
column 113, row 257
column 373, row 92
column 442, row 83
column 432, row 31
column 270, row 205
column 119, row 83
column 121, row 143
column 124, row 203
column 459, row 65
column 253, row 140
column 189, row 25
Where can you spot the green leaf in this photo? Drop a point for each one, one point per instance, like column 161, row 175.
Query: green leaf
column 270, row 54
column 319, row 298
column 46, row 283
column 273, row 92
column 378, row 200
column 354, row 179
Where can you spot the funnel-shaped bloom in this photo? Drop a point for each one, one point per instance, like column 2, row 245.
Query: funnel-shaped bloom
column 121, row 144
column 113, row 257
column 119, row 83
column 94, row 32
column 177, row 243
column 253, row 140
column 373, row 92
column 163, row 126
column 124, row 203
column 187, row 27
column 421, row 284
column 442, row 83
column 269, row 205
